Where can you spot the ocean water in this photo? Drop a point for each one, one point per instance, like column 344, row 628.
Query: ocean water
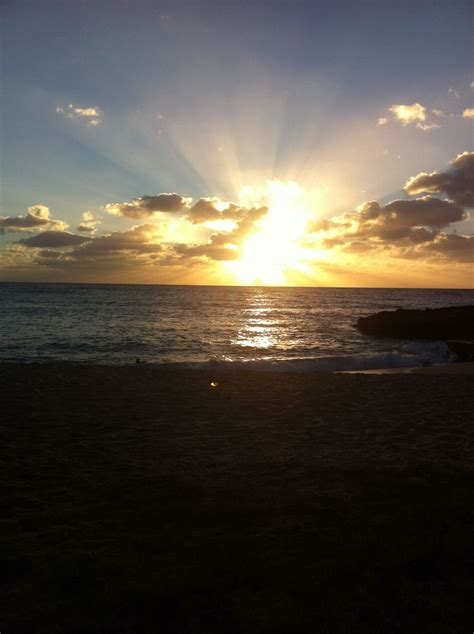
column 270, row 328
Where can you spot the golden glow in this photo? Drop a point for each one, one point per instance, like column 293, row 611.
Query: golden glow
column 223, row 225
column 274, row 250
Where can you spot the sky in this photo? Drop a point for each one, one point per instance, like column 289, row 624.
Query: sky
column 281, row 143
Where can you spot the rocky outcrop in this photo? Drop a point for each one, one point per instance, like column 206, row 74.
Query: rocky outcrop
column 463, row 350
column 453, row 323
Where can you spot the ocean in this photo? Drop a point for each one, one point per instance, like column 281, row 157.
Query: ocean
column 200, row 326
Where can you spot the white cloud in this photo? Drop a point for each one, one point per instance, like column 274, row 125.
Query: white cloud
column 40, row 211
column 408, row 113
column 427, row 126
column 88, row 223
column 413, row 114
column 92, row 116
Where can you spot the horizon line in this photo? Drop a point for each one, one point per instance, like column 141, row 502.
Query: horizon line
column 403, row 288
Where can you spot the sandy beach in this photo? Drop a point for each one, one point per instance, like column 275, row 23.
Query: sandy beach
column 138, row 499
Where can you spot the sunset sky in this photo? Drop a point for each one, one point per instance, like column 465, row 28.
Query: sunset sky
column 302, row 143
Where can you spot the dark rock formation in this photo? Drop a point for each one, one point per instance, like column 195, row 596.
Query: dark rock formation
column 464, row 350
column 456, row 322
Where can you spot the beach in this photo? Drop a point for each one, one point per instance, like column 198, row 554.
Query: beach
column 142, row 499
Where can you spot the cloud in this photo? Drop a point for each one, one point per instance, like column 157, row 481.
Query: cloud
column 408, row 114
column 468, row 113
column 419, row 228
column 146, row 206
column 225, row 245
column 322, row 224
column 53, row 239
column 37, row 218
column 142, row 245
column 209, row 209
column 40, row 211
column 140, row 239
column 412, row 114
column 358, row 247
column 210, row 251
column 445, row 248
column 203, row 211
column 118, row 251
column 89, row 223
column 410, row 229
column 92, row 116
column 452, row 246
column 48, row 253
column 413, row 220
column 457, row 183
column 427, row 126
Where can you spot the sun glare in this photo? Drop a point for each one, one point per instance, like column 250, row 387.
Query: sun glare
column 273, row 251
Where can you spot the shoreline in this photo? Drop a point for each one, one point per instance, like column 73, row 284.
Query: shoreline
column 455, row 367
column 466, row 367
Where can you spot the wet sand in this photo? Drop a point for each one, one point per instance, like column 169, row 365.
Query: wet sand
column 142, row 500
column 448, row 368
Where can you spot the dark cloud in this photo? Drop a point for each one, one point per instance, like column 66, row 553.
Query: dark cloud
column 419, row 235
column 210, row 251
column 358, row 247
column 204, row 210
column 400, row 229
column 456, row 183
column 249, row 218
column 120, row 250
column 22, row 223
column 452, row 246
column 207, row 209
column 148, row 205
column 137, row 240
column 85, row 228
column 412, row 228
column 225, row 246
column 38, row 216
column 221, row 246
column 416, row 220
column 89, row 223
column 54, row 239
column 323, row 224
column 330, row 243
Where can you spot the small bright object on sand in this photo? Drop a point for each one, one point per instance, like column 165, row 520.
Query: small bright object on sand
column 214, row 384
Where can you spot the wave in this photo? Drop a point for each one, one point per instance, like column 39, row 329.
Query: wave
column 409, row 355
column 412, row 355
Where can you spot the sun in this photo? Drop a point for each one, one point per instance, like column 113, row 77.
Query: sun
column 273, row 250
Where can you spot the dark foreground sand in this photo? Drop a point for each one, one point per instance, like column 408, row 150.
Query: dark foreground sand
column 142, row 500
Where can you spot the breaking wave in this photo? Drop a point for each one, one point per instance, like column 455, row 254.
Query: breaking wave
column 413, row 355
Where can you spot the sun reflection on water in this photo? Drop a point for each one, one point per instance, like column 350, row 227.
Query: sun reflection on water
column 258, row 330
